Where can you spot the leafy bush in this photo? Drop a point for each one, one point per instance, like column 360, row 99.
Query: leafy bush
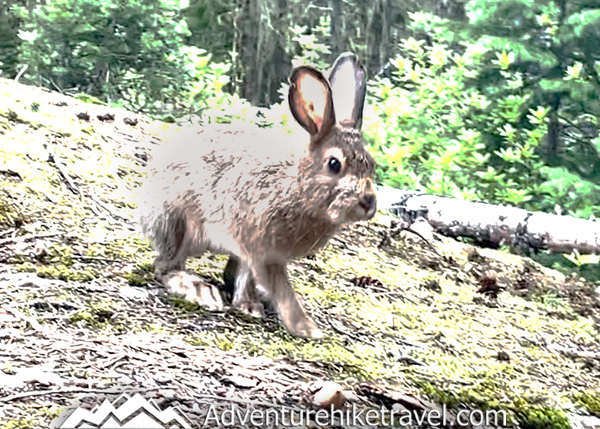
column 435, row 128
column 129, row 52
column 425, row 125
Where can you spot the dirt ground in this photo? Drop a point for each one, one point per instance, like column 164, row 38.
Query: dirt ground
column 411, row 326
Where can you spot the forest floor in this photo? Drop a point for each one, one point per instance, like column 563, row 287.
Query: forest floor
column 408, row 325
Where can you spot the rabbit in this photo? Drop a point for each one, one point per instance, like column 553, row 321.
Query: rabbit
column 262, row 197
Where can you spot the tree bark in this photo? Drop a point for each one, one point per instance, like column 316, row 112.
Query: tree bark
column 374, row 35
column 493, row 225
column 337, row 30
column 553, row 130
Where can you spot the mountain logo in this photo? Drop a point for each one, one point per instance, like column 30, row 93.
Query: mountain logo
column 125, row 412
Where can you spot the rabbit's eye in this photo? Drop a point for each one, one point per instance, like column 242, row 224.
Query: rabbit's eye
column 334, row 165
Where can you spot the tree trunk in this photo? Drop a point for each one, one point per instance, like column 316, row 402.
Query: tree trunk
column 493, row 225
column 553, row 130
column 337, row 30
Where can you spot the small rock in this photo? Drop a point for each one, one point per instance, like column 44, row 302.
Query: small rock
column 329, row 395
column 503, row 356
column 128, row 121
column 243, row 382
column 107, row 117
column 133, row 292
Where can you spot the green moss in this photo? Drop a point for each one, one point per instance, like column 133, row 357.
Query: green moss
column 128, row 249
column 61, row 272
column 146, row 267
column 60, row 254
column 184, row 304
column 86, row 98
column 99, row 316
column 523, row 412
column 539, row 417
column 21, row 423
column 10, row 216
column 136, row 279
column 590, row 400
column 141, row 275
column 439, row 395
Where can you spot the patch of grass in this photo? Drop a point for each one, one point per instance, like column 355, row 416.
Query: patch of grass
column 10, row 216
column 19, row 423
column 100, row 316
column 141, row 275
column 540, row 417
column 590, row 400
column 352, row 362
column 60, row 254
column 59, row 272
column 125, row 249
column 521, row 411
column 183, row 304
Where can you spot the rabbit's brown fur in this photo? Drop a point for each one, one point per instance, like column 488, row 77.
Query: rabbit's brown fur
column 259, row 196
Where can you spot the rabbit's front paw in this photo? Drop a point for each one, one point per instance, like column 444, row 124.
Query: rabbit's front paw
column 194, row 289
column 305, row 328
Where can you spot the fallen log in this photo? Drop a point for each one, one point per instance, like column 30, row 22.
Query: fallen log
column 494, row 225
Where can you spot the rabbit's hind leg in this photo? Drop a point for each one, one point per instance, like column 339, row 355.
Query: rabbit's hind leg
column 169, row 266
column 272, row 278
column 169, row 235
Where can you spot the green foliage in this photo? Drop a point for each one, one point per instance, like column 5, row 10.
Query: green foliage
column 212, row 26
column 207, row 86
column 427, row 125
column 475, row 119
column 132, row 53
column 312, row 44
column 9, row 40
column 568, row 191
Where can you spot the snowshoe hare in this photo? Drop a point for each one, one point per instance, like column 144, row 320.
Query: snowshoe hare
column 262, row 197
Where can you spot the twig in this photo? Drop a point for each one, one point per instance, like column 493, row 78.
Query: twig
column 56, row 161
column 21, row 73
column 8, row 231
column 55, row 85
column 111, row 361
column 94, row 258
column 100, row 204
column 16, row 396
column 28, row 237
column 242, row 401
column 431, row 246
column 348, row 334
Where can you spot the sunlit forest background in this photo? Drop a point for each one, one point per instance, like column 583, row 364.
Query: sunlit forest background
column 490, row 100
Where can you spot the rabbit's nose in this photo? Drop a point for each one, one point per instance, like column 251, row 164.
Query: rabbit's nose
column 368, row 202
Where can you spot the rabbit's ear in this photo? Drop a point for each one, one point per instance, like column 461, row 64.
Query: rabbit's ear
column 310, row 100
column 348, row 85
